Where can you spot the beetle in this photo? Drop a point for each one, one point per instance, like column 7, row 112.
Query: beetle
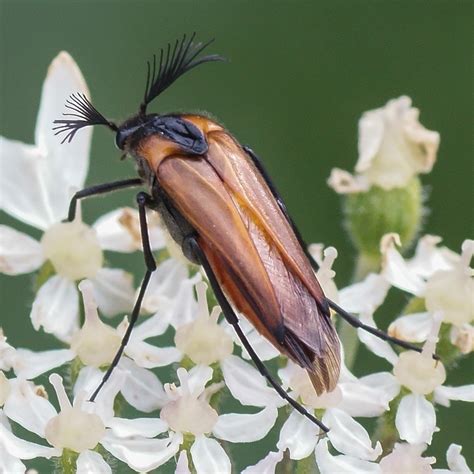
column 221, row 207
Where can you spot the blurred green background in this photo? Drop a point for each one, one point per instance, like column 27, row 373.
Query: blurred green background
column 299, row 77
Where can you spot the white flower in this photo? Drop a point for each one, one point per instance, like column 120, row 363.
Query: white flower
column 456, row 461
column 393, row 148
column 48, row 173
column 421, row 375
column 442, row 278
column 28, row 364
column 407, row 457
column 81, row 426
column 203, row 340
column 188, row 411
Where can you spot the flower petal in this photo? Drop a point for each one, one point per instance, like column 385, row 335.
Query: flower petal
column 113, row 291
column 374, row 343
column 415, row 419
column 150, row 356
column 155, row 325
column 25, row 407
column 396, row 270
column 184, row 308
column 43, row 200
column 267, row 465
column 22, row 449
column 19, row 253
column 197, row 379
column 209, row 456
column 10, row 464
column 147, row 427
column 89, row 379
column 119, row 230
column 164, row 285
column 247, row 385
column 365, row 296
column 344, row 182
column 90, row 462
column 429, row 258
column 369, row 399
column 142, row 454
column 299, row 435
column 329, row 464
column 29, row 364
column 182, row 466
column 143, row 390
column 68, row 160
column 261, row 346
column 443, row 394
column 456, row 461
column 414, row 327
column 56, row 308
column 406, row 457
column 245, row 428
column 350, row 437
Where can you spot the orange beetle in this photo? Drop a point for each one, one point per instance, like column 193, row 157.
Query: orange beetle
column 220, row 206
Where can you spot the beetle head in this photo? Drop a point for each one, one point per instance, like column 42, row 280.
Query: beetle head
column 171, row 64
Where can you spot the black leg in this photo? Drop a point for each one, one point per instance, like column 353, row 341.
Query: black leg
column 142, row 199
column 232, row 318
column 100, row 189
column 355, row 322
column 259, row 165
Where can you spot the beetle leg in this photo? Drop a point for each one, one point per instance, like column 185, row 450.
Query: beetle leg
column 100, row 189
column 143, row 200
column 259, row 165
column 232, row 319
column 356, row 323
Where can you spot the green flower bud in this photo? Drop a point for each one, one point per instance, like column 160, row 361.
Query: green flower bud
column 372, row 214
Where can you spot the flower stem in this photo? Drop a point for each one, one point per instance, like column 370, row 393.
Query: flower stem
column 68, row 461
column 307, row 465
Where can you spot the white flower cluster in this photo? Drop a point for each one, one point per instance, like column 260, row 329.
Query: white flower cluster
column 183, row 419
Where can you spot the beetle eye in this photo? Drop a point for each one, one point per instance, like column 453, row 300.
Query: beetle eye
column 120, row 139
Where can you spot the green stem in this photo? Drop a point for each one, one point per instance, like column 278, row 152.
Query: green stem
column 68, row 461
column 286, row 465
column 307, row 465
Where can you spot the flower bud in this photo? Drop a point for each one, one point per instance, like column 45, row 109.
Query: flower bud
column 371, row 215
